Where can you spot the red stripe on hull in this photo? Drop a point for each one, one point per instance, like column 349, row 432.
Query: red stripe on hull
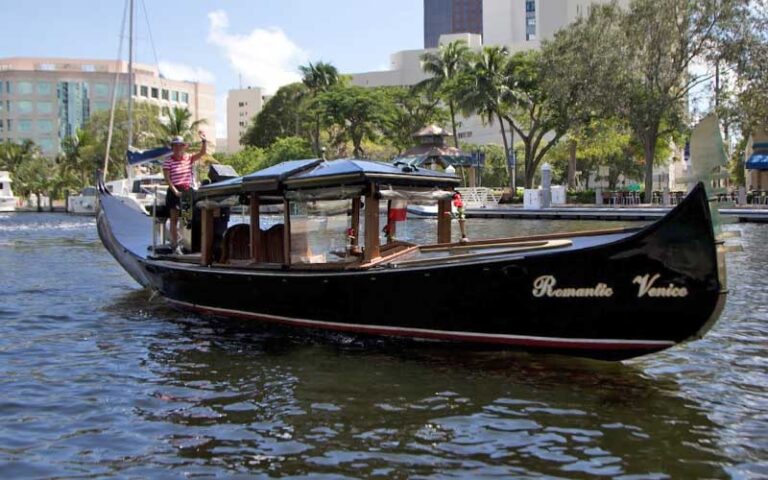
column 471, row 337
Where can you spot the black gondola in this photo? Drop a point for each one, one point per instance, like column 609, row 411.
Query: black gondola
column 611, row 294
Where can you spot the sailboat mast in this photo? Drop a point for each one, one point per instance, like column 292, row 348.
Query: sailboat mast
column 130, row 73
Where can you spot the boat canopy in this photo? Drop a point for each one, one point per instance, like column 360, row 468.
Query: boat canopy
column 759, row 158
column 140, row 157
column 316, row 179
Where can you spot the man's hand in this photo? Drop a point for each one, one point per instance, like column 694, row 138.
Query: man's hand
column 202, row 135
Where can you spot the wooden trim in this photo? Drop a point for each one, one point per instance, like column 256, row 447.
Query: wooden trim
column 206, row 231
column 372, row 247
column 506, row 251
column 547, row 236
column 356, row 220
column 444, row 220
column 287, row 232
column 389, row 258
column 255, row 230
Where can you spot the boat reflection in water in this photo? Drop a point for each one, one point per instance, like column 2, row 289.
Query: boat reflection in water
column 249, row 398
column 609, row 294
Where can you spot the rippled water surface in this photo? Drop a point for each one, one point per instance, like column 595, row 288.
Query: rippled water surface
column 98, row 379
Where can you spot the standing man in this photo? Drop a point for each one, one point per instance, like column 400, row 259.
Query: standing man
column 177, row 170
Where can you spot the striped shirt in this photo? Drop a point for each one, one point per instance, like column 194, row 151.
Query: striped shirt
column 180, row 170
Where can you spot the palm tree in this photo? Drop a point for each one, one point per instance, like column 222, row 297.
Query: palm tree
column 13, row 154
column 180, row 124
column 78, row 159
column 488, row 92
column 444, row 66
column 318, row 78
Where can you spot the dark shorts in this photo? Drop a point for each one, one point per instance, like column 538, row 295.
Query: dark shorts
column 171, row 200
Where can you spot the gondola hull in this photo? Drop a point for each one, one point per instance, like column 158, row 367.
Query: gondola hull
column 612, row 296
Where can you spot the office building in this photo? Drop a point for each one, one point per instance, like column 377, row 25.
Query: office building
column 518, row 24
column 443, row 17
column 47, row 99
column 242, row 105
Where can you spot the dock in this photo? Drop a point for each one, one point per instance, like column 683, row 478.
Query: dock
column 737, row 214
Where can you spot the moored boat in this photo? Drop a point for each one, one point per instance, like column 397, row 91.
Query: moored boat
column 7, row 200
column 609, row 294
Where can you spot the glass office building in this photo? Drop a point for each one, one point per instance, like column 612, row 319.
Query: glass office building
column 451, row 16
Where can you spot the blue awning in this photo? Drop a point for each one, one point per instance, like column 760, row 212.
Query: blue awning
column 758, row 161
column 138, row 157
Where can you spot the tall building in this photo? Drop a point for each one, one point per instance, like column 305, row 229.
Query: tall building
column 242, row 105
column 517, row 24
column 47, row 99
column 442, row 17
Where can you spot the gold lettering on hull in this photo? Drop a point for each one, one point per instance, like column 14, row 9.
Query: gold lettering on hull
column 546, row 286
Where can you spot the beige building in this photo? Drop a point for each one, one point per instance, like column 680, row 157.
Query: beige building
column 242, row 105
column 47, row 99
column 518, row 24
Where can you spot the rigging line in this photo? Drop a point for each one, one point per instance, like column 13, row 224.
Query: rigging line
column 114, row 93
column 152, row 43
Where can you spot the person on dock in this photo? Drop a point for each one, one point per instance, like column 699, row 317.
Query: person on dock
column 177, row 170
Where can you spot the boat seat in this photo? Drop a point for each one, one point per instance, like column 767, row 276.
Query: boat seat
column 236, row 244
column 272, row 244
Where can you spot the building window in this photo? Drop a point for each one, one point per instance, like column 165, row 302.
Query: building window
column 45, row 126
column 530, row 19
column 24, row 88
column 9, row 124
column 25, row 126
column 135, row 90
column 184, row 97
column 174, row 96
column 99, row 106
column 25, row 106
column 144, row 91
column 46, row 145
column 46, row 67
column 88, row 68
column 44, row 88
column 44, row 107
column 8, row 106
column 155, row 92
column 100, row 90
column 165, row 94
column 8, row 87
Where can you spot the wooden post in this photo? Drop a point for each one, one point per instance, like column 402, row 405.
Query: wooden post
column 444, row 221
column 356, row 222
column 206, row 243
column 391, row 225
column 372, row 250
column 287, row 232
column 255, row 230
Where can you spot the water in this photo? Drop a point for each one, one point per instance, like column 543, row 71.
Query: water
column 97, row 379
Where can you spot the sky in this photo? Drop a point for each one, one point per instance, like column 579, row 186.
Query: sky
column 262, row 41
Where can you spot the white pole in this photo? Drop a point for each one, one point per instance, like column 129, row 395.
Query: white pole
column 130, row 81
column 114, row 98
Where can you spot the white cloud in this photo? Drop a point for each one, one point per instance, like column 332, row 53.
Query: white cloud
column 178, row 71
column 265, row 58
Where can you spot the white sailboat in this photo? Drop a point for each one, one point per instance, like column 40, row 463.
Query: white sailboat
column 7, row 200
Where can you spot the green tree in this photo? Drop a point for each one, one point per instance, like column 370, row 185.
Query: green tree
column 541, row 115
column 13, row 154
column 284, row 115
column 247, row 160
column 484, row 89
column 411, row 110
column 146, row 121
column 444, row 66
column 287, row 148
column 79, row 160
column 359, row 113
column 35, row 176
column 318, row 78
column 179, row 123
column 651, row 49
